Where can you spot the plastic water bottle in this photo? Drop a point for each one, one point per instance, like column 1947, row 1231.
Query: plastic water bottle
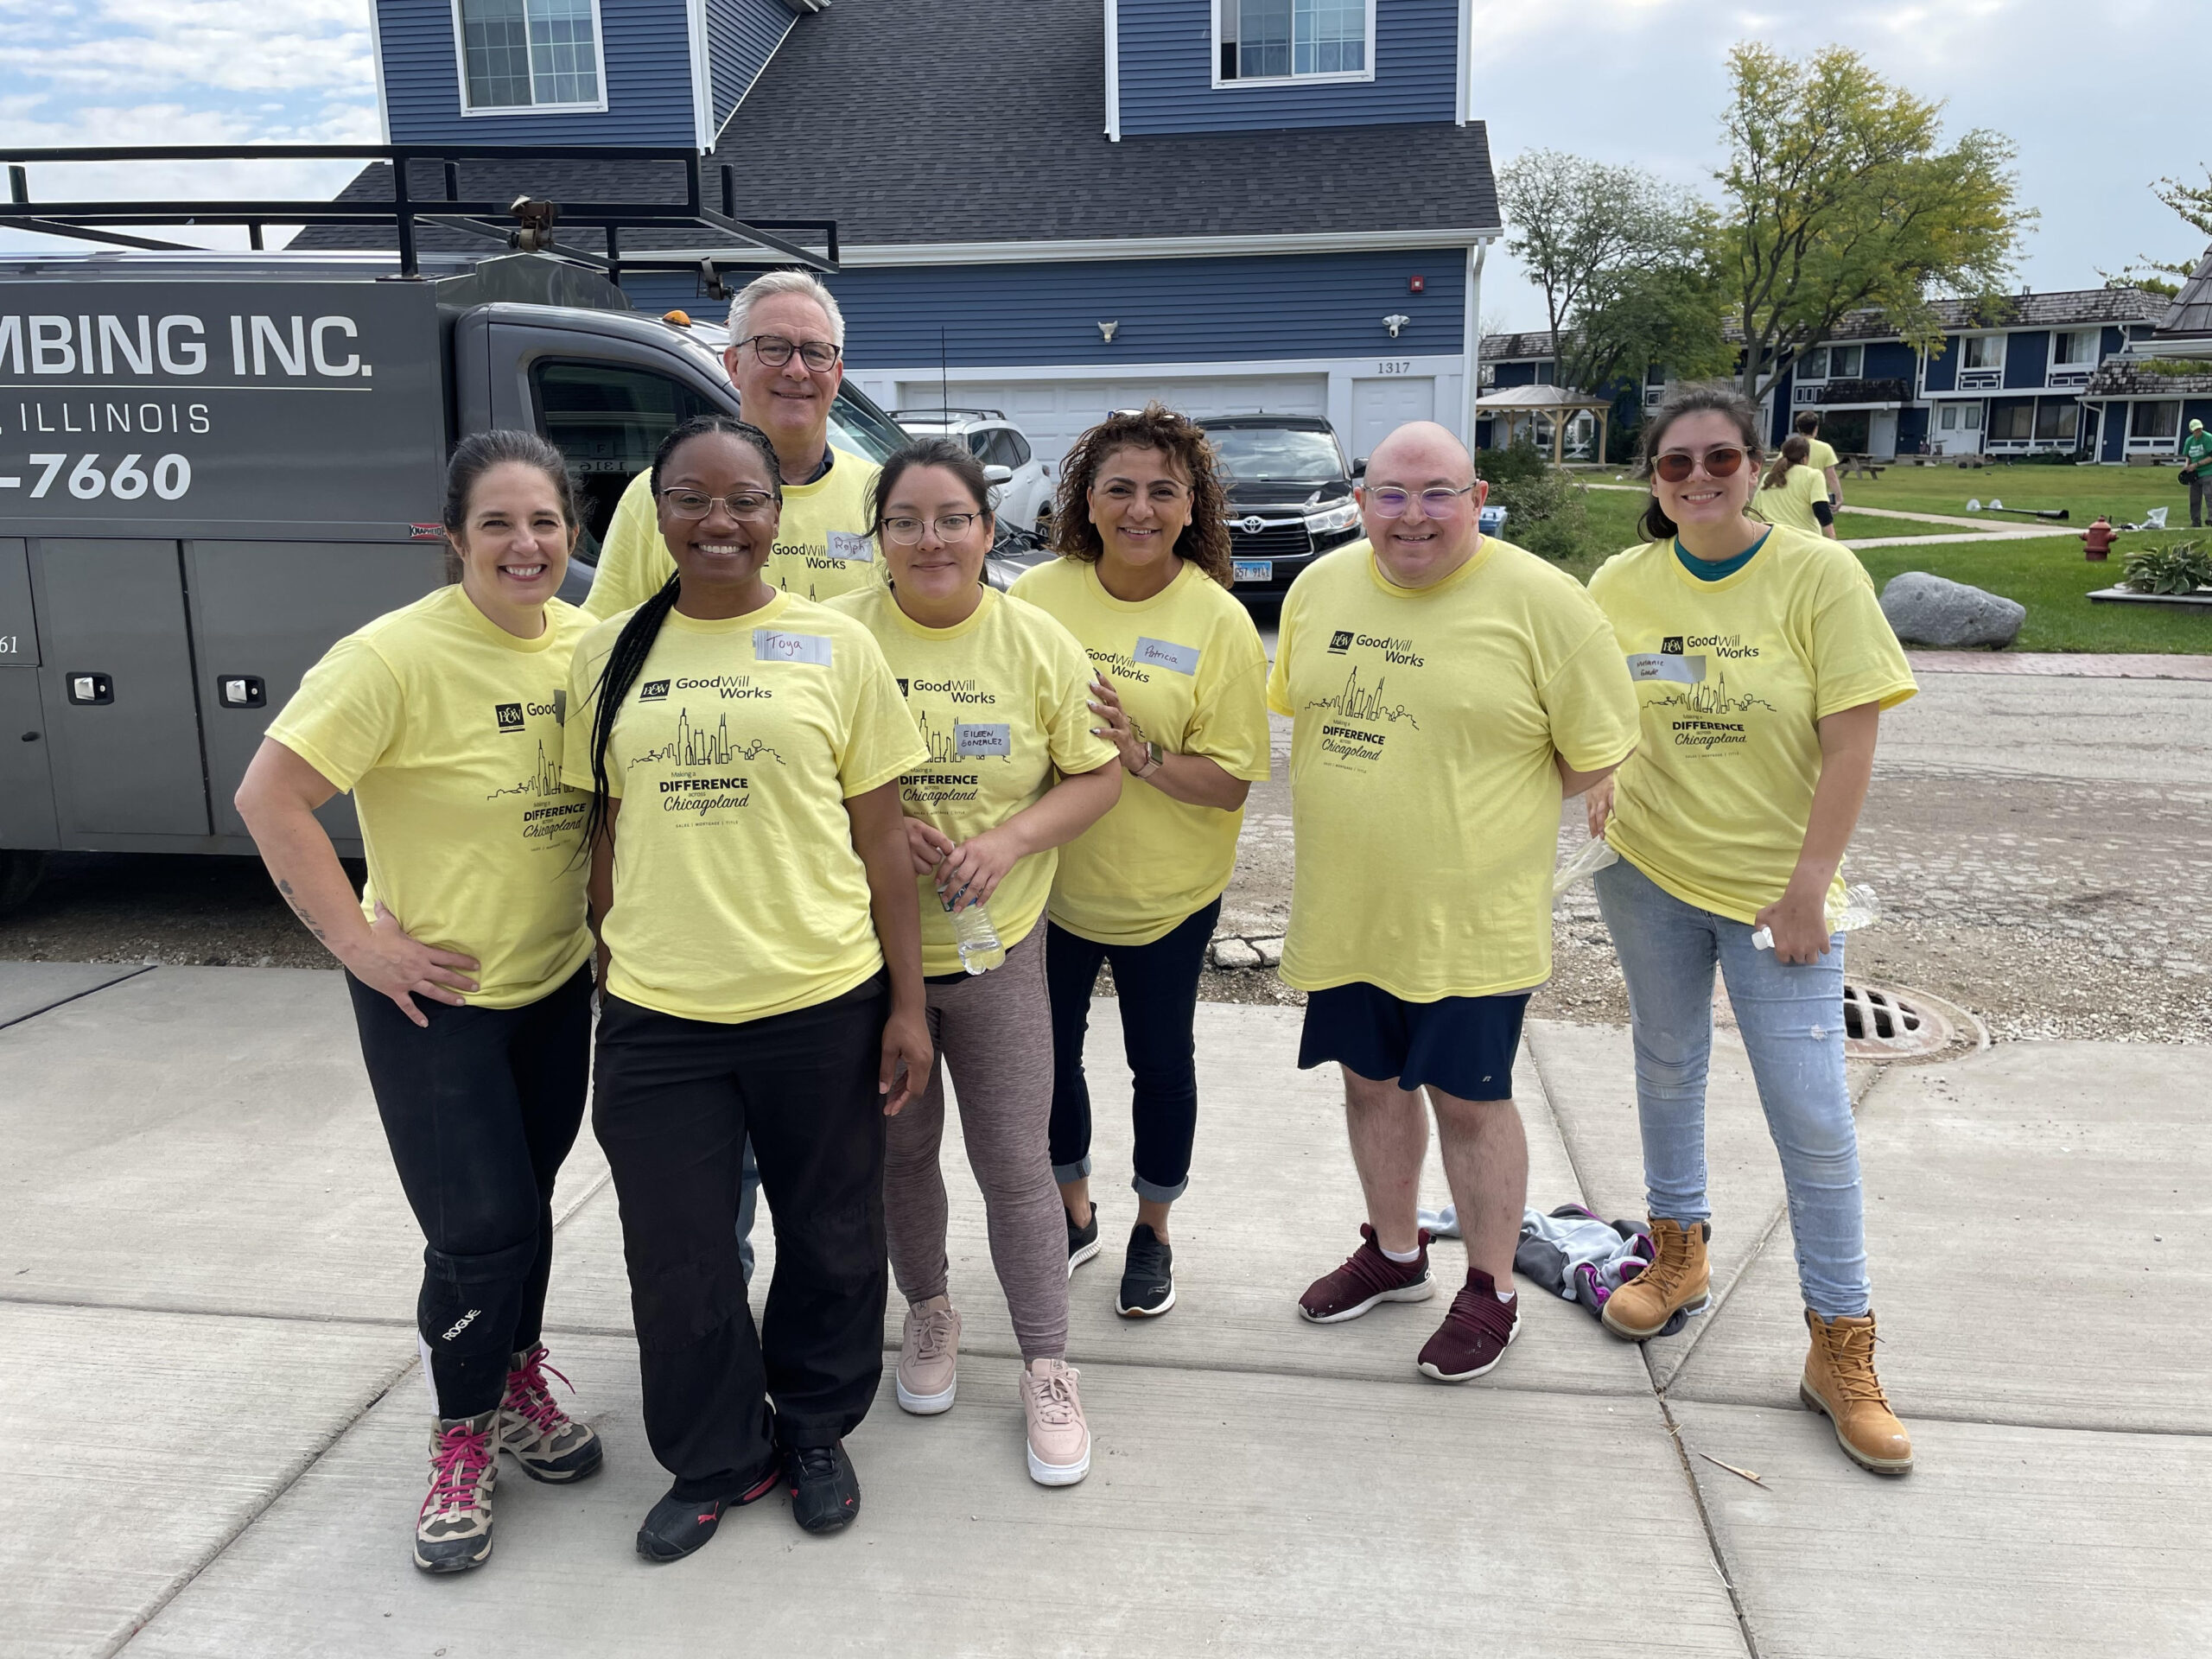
column 976, row 939
column 1860, row 909
column 1593, row 856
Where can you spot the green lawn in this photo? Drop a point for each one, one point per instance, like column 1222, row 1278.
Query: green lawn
column 2123, row 491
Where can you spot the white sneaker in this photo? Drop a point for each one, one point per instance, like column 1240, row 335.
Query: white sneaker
column 1059, row 1440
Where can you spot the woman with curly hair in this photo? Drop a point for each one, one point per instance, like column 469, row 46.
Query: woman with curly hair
column 1142, row 583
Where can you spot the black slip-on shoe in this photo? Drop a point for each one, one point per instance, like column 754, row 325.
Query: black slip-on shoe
column 677, row 1526
column 1147, row 1276
column 825, row 1491
column 1082, row 1242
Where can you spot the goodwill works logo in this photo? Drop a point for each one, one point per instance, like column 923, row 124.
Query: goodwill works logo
column 1340, row 641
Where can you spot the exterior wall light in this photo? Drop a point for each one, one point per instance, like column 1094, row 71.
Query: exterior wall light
column 1394, row 321
column 1106, row 331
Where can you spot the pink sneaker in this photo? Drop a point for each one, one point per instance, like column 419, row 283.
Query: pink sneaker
column 929, row 1358
column 1367, row 1277
column 1477, row 1329
column 1059, row 1440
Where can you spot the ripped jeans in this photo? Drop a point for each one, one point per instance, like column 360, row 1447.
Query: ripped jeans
column 1791, row 1019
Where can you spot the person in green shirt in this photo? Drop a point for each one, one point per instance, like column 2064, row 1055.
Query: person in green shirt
column 2195, row 455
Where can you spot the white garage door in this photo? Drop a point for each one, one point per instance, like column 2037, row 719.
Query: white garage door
column 1054, row 413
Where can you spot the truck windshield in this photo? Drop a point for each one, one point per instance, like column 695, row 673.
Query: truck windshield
column 1258, row 454
column 859, row 427
column 608, row 420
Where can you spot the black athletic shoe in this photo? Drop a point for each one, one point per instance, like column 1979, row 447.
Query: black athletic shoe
column 1147, row 1276
column 678, row 1526
column 1082, row 1242
column 825, row 1492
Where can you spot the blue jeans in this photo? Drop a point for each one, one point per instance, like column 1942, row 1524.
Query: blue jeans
column 1791, row 1019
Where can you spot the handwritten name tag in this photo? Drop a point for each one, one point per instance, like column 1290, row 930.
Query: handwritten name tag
column 851, row 547
column 1162, row 654
column 773, row 645
column 972, row 740
column 1655, row 666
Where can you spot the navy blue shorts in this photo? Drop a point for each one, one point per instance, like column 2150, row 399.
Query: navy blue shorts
column 1462, row 1044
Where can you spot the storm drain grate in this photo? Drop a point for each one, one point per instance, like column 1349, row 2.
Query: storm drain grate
column 1883, row 1023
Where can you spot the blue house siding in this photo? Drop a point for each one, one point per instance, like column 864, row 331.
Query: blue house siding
column 2113, row 340
column 1943, row 365
column 647, row 50
column 1167, row 65
column 1912, row 429
column 2115, row 432
column 1170, row 310
column 741, row 36
column 1889, row 359
column 2027, row 358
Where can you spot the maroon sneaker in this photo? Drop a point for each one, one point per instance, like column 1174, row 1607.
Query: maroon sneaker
column 1476, row 1332
column 1367, row 1277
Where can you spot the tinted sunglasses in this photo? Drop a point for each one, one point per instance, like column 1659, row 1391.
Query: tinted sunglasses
column 1676, row 468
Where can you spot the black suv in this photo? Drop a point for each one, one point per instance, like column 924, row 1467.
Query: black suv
column 1289, row 496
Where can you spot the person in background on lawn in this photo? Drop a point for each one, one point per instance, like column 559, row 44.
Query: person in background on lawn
column 1820, row 455
column 1763, row 663
column 2195, row 459
column 1448, row 690
column 1142, row 583
column 1792, row 493
column 997, row 689
column 466, row 955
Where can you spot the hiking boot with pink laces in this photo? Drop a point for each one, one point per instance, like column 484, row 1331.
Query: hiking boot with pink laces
column 547, row 1443
column 1477, row 1329
column 1367, row 1277
column 453, row 1530
column 1059, row 1439
column 929, row 1358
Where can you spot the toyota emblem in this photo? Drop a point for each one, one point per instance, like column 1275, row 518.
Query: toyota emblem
column 1253, row 525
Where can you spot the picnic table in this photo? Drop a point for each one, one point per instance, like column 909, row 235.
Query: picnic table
column 1860, row 466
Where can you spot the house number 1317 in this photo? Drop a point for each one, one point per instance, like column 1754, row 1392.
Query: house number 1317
column 1400, row 365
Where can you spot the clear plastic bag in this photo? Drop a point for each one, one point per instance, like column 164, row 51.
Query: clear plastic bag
column 1861, row 908
column 1592, row 856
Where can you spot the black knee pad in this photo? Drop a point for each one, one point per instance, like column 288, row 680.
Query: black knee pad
column 469, row 1303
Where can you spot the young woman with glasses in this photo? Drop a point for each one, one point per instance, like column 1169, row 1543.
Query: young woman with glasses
column 466, row 954
column 1763, row 663
column 997, row 690
column 755, row 903
column 1142, row 583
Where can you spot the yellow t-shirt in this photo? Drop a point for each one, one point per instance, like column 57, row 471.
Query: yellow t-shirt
column 1732, row 676
column 822, row 545
column 1819, row 456
column 1001, row 704
column 1423, row 791
column 448, row 729
column 1791, row 501
column 1189, row 667
column 737, row 892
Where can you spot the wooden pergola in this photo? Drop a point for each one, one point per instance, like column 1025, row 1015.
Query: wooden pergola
column 1559, row 404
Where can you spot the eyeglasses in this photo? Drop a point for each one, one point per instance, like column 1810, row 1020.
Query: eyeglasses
column 907, row 532
column 1391, row 503
column 775, row 351
column 1722, row 463
column 698, row 504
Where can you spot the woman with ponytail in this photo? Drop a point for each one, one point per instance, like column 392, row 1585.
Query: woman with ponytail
column 760, row 950
column 1793, row 492
column 465, row 954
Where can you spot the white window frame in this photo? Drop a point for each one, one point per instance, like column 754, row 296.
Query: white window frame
column 1966, row 345
column 1804, row 370
column 1334, row 77
column 461, row 71
column 2095, row 336
column 1835, row 373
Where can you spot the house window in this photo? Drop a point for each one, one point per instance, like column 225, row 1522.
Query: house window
column 528, row 54
column 1815, row 365
column 2011, row 421
column 1984, row 352
column 2076, row 347
column 1970, row 418
column 1287, row 40
column 2154, row 420
column 1845, row 361
column 2057, row 422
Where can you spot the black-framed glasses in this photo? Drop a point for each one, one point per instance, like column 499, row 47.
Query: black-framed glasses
column 907, row 532
column 698, row 504
column 1390, row 502
column 776, row 350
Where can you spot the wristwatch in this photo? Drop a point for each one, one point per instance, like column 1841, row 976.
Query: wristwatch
column 1158, row 760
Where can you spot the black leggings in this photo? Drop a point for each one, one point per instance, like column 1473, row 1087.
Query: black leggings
column 1158, row 985
column 480, row 1107
column 673, row 1104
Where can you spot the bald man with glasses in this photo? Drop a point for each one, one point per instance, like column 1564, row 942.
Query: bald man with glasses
column 1448, row 692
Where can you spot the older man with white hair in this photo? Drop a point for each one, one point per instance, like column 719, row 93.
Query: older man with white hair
column 1448, row 692
column 786, row 358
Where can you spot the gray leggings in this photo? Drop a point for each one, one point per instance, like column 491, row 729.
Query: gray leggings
column 995, row 1032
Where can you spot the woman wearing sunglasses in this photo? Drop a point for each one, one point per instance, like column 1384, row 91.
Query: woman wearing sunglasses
column 1763, row 663
column 997, row 689
column 755, row 904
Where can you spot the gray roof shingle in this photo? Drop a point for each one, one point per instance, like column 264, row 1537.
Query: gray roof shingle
column 2190, row 316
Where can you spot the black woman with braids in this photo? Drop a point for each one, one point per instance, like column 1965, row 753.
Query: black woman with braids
column 760, row 952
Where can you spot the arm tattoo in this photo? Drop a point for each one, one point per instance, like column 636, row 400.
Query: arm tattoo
column 300, row 911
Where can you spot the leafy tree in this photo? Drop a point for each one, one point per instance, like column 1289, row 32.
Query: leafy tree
column 2194, row 203
column 1625, row 263
column 1841, row 198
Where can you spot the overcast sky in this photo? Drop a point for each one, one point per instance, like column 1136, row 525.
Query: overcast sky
column 2096, row 94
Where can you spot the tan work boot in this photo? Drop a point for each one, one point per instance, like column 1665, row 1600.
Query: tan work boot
column 1839, row 1380
column 1681, row 1278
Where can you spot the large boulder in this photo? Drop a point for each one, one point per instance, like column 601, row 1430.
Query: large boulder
column 1927, row 610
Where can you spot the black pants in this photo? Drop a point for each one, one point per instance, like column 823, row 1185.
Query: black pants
column 1158, row 985
column 480, row 1107
column 674, row 1101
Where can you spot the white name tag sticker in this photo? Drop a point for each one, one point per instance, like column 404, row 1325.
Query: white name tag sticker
column 851, row 546
column 774, row 646
column 972, row 740
column 1165, row 653
column 1659, row 665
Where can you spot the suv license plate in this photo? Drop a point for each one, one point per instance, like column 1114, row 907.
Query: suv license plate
column 1254, row 571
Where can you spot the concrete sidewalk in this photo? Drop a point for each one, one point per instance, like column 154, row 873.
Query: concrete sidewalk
column 211, row 1425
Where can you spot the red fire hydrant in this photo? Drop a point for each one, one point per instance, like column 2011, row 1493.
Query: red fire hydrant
column 2097, row 539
